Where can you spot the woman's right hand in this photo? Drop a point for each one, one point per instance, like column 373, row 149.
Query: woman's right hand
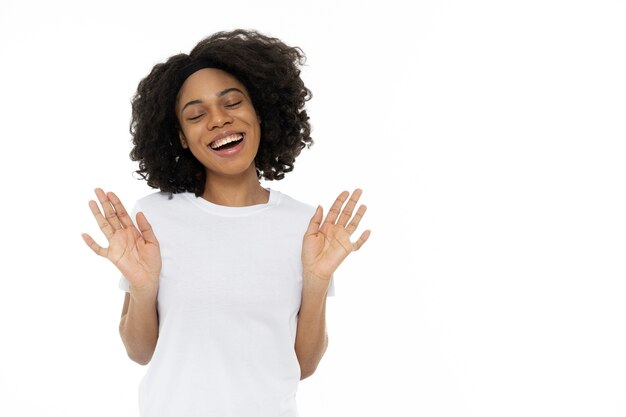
column 134, row 252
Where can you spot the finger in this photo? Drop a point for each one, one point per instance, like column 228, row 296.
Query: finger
column 364, row 236
column 346, row 213
column 109, row 211
column 336, row 208
column 121, row 212
column 356, row 220
column 105, row 226
column 316, row 221
column 146, row 230
column 99, row 250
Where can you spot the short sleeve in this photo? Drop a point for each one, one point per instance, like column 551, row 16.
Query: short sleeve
column 124, row 284
column 331, row 288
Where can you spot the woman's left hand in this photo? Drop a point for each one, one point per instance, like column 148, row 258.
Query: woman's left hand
column 327, row 244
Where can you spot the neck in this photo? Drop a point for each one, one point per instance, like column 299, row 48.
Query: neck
column 235, row 191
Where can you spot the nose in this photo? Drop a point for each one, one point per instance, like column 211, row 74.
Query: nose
column 218, row 117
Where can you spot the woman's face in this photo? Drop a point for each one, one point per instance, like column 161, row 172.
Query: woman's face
column 219, row 124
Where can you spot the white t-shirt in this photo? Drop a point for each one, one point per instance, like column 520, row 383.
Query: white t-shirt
column 229, row 295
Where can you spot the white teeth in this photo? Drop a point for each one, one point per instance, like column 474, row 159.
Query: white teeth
column 223, row 141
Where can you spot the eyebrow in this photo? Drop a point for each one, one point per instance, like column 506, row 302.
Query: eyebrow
column 220, row 94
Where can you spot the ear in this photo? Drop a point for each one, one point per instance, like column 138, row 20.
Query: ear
column 183, row 140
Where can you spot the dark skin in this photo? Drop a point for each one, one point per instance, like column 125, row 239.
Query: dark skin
column 213, row 105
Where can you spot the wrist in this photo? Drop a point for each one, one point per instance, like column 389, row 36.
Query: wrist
column 144, row 293
column 312, row 282
column 311, row 274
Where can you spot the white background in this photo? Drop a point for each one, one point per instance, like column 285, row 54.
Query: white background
column 489, row 138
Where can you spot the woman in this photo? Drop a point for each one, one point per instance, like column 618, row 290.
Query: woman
column 226, row 284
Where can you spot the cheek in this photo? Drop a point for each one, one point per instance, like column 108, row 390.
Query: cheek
column 192, row 133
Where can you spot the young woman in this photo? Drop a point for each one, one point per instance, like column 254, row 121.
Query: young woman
column 226, row 283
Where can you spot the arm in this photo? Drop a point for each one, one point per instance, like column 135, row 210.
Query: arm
column 139, row 326
column 135, row 252
column 311, row 336
column 325, row 246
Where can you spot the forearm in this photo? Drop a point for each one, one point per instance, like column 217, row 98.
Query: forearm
column 311, row 336
column 139, row 327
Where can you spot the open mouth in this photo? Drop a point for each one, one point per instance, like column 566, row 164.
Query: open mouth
column 226, row 142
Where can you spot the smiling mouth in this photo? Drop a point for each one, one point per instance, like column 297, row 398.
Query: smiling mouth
column 226, row 142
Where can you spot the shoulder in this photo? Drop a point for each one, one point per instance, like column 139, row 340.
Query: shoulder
column 160, row 199
column 294, row 206
column 292, row 213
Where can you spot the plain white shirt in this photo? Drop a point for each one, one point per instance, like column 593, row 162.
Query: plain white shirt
column 229, row 295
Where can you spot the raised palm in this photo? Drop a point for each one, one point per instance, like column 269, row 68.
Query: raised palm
column 135, row 252
column 326, row 245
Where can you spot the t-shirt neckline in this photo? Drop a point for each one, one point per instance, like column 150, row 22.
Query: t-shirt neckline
column 228, row 211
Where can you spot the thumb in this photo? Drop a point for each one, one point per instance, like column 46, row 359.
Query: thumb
column 316, row 220
column 146, row 230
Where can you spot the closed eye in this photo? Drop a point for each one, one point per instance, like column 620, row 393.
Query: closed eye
column 234, row 104
column 196, row 117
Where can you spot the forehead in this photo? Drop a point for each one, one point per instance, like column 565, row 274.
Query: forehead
column 208, row 82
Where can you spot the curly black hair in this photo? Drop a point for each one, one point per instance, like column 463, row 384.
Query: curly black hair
column 268, row 68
